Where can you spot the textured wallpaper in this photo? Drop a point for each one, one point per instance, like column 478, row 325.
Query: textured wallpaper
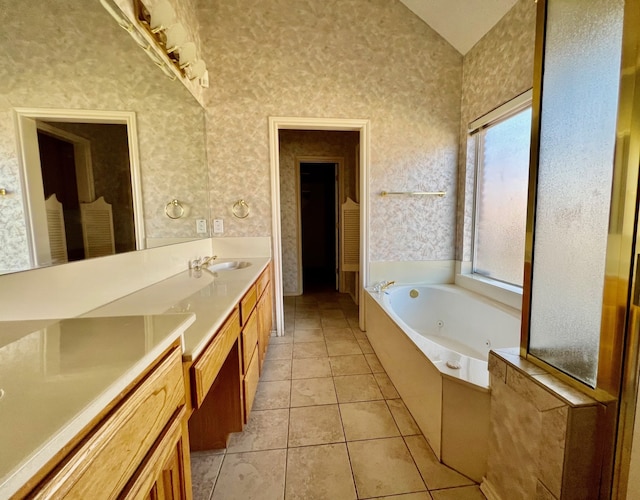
column 367, row 59
column 295, row 144
column 498, row 68
column 96, row 65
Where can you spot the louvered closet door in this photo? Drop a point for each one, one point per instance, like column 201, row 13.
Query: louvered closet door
column 350, row 227
column 97, row 228
column 55, row 225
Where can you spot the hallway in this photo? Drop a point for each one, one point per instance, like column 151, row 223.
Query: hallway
column 326, row 423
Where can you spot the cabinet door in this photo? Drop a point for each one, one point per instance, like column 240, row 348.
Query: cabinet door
column 163, row 475
column 265, row 322
column 168, row 482
column 250, row 383
column 250, row 335
column 102, row 465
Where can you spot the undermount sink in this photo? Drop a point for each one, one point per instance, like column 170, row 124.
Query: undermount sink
column 229, row 266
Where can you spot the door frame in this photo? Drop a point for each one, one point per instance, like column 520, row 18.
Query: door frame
column 339, row 162
column 277, row 123
column 31, row 175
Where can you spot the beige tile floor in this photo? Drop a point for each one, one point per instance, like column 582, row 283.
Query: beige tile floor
column 327, row 423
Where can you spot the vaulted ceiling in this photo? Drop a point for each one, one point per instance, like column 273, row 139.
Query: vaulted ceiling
column 461, row 22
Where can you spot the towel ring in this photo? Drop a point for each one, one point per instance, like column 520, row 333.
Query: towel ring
column 240, row 209
column 174, row 209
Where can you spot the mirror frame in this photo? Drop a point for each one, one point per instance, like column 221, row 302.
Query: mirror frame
column 29, row 160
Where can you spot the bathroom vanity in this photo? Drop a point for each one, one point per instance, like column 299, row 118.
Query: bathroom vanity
column 89, row 403
column 223, row 349
column 223, row 375
column 110, row 404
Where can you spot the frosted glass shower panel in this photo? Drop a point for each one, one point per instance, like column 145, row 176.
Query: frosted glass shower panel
column 501, row 199
column 577, row 137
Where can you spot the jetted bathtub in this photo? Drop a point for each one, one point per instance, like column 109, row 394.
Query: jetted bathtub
column 434, row 342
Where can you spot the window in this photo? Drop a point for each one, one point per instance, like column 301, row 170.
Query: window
column 502, row 178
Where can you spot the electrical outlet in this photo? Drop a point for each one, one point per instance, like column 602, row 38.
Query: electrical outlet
column 201, row 226
column 218, row 226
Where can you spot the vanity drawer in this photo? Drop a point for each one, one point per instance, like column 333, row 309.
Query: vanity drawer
column 250, row 383
column 249, row 340
column 110, row 455
column 263, row 281
column 247, row 304
column 209, row 363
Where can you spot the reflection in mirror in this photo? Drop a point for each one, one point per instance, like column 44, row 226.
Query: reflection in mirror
column 78, row 181
column 96, row 66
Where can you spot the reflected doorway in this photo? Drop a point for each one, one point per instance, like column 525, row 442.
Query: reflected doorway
column 80, row 163
column 93, row 154
column 58, row 162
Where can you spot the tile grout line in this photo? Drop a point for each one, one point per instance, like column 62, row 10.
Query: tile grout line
column 286, row 453
column 424, row 481
column 215, row 483
column 344, row 433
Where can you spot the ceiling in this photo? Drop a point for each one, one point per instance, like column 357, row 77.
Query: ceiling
column 461, row 22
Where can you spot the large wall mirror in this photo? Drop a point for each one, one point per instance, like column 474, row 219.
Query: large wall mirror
column 75, row 82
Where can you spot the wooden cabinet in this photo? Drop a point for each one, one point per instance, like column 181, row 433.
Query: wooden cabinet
column 247, row 304
column 224, row 378
column 250, row 362
column 265, row 313
column 250, row 356
column 138, row 447
column 249, row 340
column 216, row 388
column 250, row 383
column 163, row 475
column 263, row 281
column 206, row 368
column 120, row 446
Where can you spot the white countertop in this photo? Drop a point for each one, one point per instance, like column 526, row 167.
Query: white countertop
column 56, row 376
column 212, row 296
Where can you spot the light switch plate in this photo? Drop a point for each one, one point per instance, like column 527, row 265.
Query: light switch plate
column 218, row 226
column 201, row 226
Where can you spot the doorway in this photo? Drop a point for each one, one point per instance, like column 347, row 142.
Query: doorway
column 319, row 226
column 277, row 124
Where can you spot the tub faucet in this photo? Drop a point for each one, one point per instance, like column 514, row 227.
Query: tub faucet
column 383, row 285
column 386, row 285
